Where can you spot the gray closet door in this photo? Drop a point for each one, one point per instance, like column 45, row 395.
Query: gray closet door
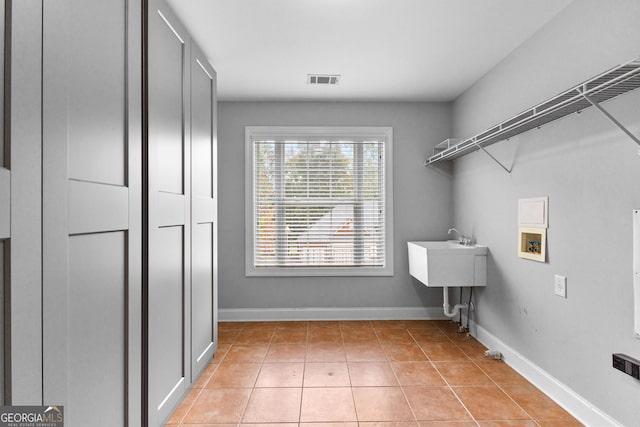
column 5, row 173
column 203, row 212
column 5, row 205
column 169, row 234
column 20, row 203
column 92, row 227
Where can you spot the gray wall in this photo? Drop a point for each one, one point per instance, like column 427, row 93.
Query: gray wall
column 591, row 173
column 422, row 204
column 585, row 39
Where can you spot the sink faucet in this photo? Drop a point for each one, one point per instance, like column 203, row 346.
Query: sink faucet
column 462, row 239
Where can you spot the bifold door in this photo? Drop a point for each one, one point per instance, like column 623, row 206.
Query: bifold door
column 169, row 209
column 5, row 206
column 71, row 211
column 204, row 223
column 182, row 223
column 92, row 210
column 20, row 201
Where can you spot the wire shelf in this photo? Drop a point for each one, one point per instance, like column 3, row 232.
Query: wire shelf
column 619, row 80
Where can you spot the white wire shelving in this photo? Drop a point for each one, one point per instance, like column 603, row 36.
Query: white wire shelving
column 617, row 81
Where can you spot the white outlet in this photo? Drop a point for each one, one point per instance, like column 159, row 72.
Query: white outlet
column 561, row 286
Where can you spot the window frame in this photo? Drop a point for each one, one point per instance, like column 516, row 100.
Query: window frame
column 253, row 133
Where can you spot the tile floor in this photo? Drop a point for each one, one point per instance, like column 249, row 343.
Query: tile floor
column 360, row 374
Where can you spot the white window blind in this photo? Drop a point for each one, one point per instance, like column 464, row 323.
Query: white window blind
column 319, row 202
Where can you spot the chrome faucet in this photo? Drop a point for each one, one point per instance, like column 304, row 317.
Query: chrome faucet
column 462, row 239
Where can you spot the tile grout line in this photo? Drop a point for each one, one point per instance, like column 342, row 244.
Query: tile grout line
column 413, row 414
column 445, row 380
column 451, row 388
column 304, row 371
column 346, row 361
column 180, row 423
column 246, row 406
column 387, row 359
column 488, row 376
column 499, row 386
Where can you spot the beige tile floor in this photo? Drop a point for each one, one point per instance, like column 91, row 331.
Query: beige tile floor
column 360, row 374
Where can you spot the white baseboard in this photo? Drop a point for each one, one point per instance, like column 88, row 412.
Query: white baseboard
column 572, row 402
column 320, row 313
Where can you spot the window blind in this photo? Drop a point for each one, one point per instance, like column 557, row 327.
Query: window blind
column 319, row 203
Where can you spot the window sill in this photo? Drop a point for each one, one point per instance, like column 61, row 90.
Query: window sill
column 319, row 272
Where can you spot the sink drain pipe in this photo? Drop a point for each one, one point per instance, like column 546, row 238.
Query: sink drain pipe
column 447, row 307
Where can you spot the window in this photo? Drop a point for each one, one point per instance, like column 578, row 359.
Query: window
column 319, row 201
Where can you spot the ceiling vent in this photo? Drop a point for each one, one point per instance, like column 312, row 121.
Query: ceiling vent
column 323, row 79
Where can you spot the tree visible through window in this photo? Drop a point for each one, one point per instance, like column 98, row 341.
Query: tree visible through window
column 319, row 201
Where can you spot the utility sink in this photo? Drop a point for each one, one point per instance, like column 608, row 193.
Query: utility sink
column 448, row 263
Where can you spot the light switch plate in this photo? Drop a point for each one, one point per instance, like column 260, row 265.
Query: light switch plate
column 561, row 286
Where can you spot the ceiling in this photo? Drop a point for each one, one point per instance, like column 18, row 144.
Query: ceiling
column 384, row 50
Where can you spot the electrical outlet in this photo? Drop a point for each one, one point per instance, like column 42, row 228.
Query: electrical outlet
column 561, row 286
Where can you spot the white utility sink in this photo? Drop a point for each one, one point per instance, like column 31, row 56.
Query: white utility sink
column 448, row 263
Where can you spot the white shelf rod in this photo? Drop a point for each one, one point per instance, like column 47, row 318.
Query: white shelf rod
column 537, row 112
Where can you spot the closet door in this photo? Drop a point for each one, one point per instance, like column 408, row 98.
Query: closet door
column 5, row 173
column 5, row 205
column 91, row 113
column 203, row 212
column 169, row 234
column 20, row 202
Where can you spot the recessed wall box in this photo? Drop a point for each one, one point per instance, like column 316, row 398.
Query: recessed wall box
column 533, row 212
column 532, row 243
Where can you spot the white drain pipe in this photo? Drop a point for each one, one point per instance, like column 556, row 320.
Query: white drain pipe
column 447, row 307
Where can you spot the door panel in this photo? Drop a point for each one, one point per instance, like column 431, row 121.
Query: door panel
column 97, row 55
column 203, row 212
column 167, row 73
column 97, row 328
column 166, row 312
column 23, row 156
column 91, row 210
column 5, row 201
column 97, row 207
column 201, row 297
column 170, row 209
column 169, row 248
column 202, row 94
column 5, row 174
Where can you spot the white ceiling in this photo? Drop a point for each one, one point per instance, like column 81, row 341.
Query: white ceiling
column 409, row 50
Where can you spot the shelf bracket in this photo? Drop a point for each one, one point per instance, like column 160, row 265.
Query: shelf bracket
column 493, row 158
column 609, row 116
